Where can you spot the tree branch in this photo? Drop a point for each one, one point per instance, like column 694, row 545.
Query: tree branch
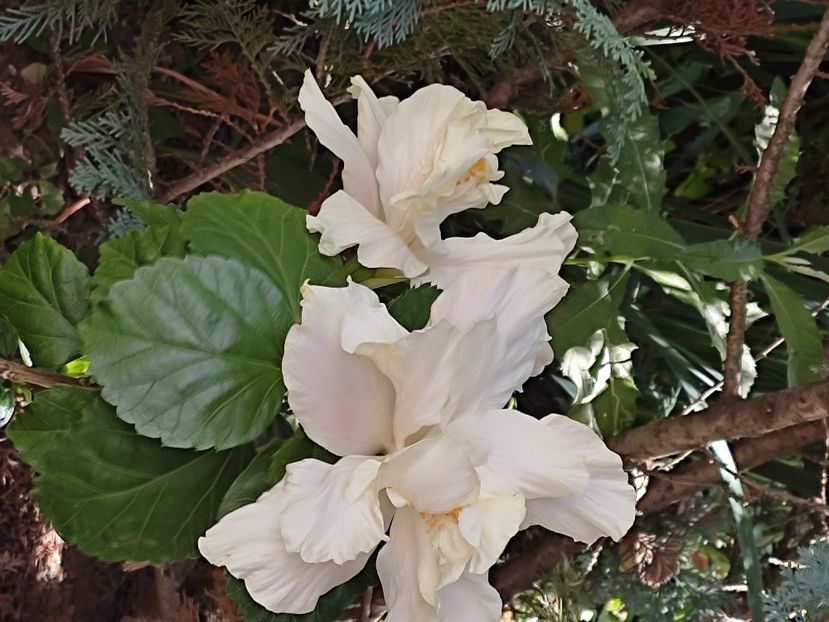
column 757, row 209
column 694, row 476
column 725, row 419
column 261, row 145
column 15, row 372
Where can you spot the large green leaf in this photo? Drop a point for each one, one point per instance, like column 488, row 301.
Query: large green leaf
column 121, row 257
column 253, row 481
column 298, row 447
column 189, row 351
column 729, row 260
column 815, row 241
column 629, row 232
column 44, row 294
column 111, row 492
column 153, row 214
column 798, row 328
column 615, row 408
column 264, row 232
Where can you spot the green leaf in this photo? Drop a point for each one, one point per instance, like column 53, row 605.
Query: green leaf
column 12, row 170
column 152, row 214
column 630, row 232
column 413, row 307
column 816, row 242
column 798, row 328
column 121, row 257
column 111, row 492
column 8, row 340
column 588, row 307
column 298, row 447
column 6, row 406
column 189, row 351
column 253, row 481
column 44, row 294
column 638, row 177
column 787, row 168
column 264, row 232
column 329, row 607
column 615, row 408
column 729, row 260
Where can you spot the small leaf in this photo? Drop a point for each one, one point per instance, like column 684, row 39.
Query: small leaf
column 199, row 366
column 729, row 260
column 121, row 257
column 614, row 408
column 265, row 233
column 816, row 242
column 413, row 307
column 588, row 307
column 44, row 294
column 114, row 494
column 798, row 328
column 629, row 232
column 152, row 214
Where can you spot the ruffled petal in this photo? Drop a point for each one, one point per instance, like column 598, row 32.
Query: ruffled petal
column 434, row 475
column 342, row 400
column 515, row 348
column 542, row 247
column 249, row 544
column 358, row 172
column 471, row 597
column 488, row 524
column 332, row 511
column 423, row 367
column 523, row 455
column 344, row 222
column 505, row 129
column 371, row 115
column 407, row 569
column 606, row 507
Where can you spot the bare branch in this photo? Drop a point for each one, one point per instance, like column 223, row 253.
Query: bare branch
column 15, row 372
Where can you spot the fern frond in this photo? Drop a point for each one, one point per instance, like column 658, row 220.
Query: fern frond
column 101, row 132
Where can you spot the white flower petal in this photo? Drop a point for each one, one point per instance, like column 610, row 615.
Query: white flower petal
column 488, row 524
column 524, row 455
column 607, row 507
column 505, row 129
column 407, row 568
column 472, row 598
column 344, row 222
column 249, row 544
column 320, row 116
column 341, row 400
column 332, row 511
column 516, row 348
column 371, row 115
column 423, row 367
column 542, row 247
column 434, row 475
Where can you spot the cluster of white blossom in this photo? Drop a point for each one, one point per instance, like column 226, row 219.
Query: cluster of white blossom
column 433, row 469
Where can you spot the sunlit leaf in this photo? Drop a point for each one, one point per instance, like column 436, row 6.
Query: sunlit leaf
column 200, row 366
column 730, row 260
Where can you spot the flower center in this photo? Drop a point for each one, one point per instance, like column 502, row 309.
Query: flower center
column 436, row 520
column 477, row 172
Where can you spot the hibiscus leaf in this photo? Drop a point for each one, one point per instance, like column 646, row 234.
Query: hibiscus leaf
column 799, row 329
column 265, row 233
column 412, row 308
column 729, row 260
column 629, row 232
column 199, row 367
column 111, row 492
column 153, row 214
column 44, row 294
column 253, row 481
column 121, row 257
